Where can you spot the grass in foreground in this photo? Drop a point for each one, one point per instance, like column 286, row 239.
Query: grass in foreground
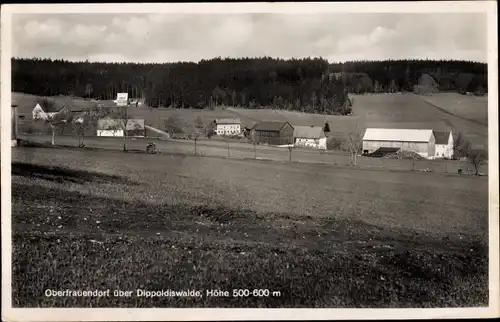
column 64, row 238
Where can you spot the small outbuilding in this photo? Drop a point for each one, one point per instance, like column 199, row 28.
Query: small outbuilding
column 310, row 136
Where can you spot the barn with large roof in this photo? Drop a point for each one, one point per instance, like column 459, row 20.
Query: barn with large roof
column 419, row 141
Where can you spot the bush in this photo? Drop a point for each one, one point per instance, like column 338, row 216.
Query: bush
column 333, row 144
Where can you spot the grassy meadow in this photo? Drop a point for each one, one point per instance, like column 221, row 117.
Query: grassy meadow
column 322, row 236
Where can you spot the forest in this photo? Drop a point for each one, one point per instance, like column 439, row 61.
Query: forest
column 311, row 85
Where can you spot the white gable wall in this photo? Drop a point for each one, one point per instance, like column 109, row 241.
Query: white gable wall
column 109, row 132
column 228, row 129
column 445, row 150
column 311, row 143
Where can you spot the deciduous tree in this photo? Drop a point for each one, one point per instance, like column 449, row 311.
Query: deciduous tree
column 475, row 156
column 355, row 142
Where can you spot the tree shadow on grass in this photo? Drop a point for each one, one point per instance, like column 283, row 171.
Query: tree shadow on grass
column 60, row 174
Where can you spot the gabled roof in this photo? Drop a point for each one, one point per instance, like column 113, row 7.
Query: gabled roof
column 442, row 137
column 308, row 132
column 251, row 125
column 228, row 121
column 404, row 135
column 270, row 126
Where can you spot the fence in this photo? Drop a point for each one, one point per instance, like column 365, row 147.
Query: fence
column 241, row 150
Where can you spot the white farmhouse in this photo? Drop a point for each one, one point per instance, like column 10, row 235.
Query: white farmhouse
column 406, row 140
column 444, row 145
column 114, row 127
column 228, row 126
column 309, row 136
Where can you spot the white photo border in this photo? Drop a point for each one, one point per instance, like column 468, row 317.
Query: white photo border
column 128, row 314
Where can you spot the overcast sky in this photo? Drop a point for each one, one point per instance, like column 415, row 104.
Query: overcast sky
column 191, row 37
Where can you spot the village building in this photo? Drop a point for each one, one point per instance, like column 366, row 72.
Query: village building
column 228, row 126
column 444, row 145
column 273, row 133
column 114, row 127
column 310, row 136
column 418, row 141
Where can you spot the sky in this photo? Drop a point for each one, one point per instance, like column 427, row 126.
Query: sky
column 191, row 37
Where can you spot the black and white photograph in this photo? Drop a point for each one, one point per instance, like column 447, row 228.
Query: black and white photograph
column 250, row 156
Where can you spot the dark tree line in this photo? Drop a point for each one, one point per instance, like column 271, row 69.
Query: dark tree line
column 309, row 85
column 403, row 75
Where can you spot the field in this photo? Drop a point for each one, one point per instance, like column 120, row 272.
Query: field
column 241, row 150
column 319, row 235
column 441, row 111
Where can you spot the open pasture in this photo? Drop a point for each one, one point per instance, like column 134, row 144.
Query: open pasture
column 26, row 102
column 321, row 236
column 474, row 108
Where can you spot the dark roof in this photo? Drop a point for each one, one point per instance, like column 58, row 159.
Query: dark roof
column 308, row 132
column 382, row 151
column 251, row 125
column 387, row 150
column 441, row 137
column 228, row 121
column 270, row 126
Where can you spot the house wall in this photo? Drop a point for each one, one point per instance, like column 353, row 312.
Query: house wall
column 441, row 151
column 425, row 149
column 431, row 147
column 267, row 137
column 109, row 132
column 228, row 129
column 272, row 138
column 286, row 134
column 444, row 150
column 311, row 143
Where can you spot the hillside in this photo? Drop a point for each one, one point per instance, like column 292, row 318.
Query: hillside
column 437, row 112
column 441, row 111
